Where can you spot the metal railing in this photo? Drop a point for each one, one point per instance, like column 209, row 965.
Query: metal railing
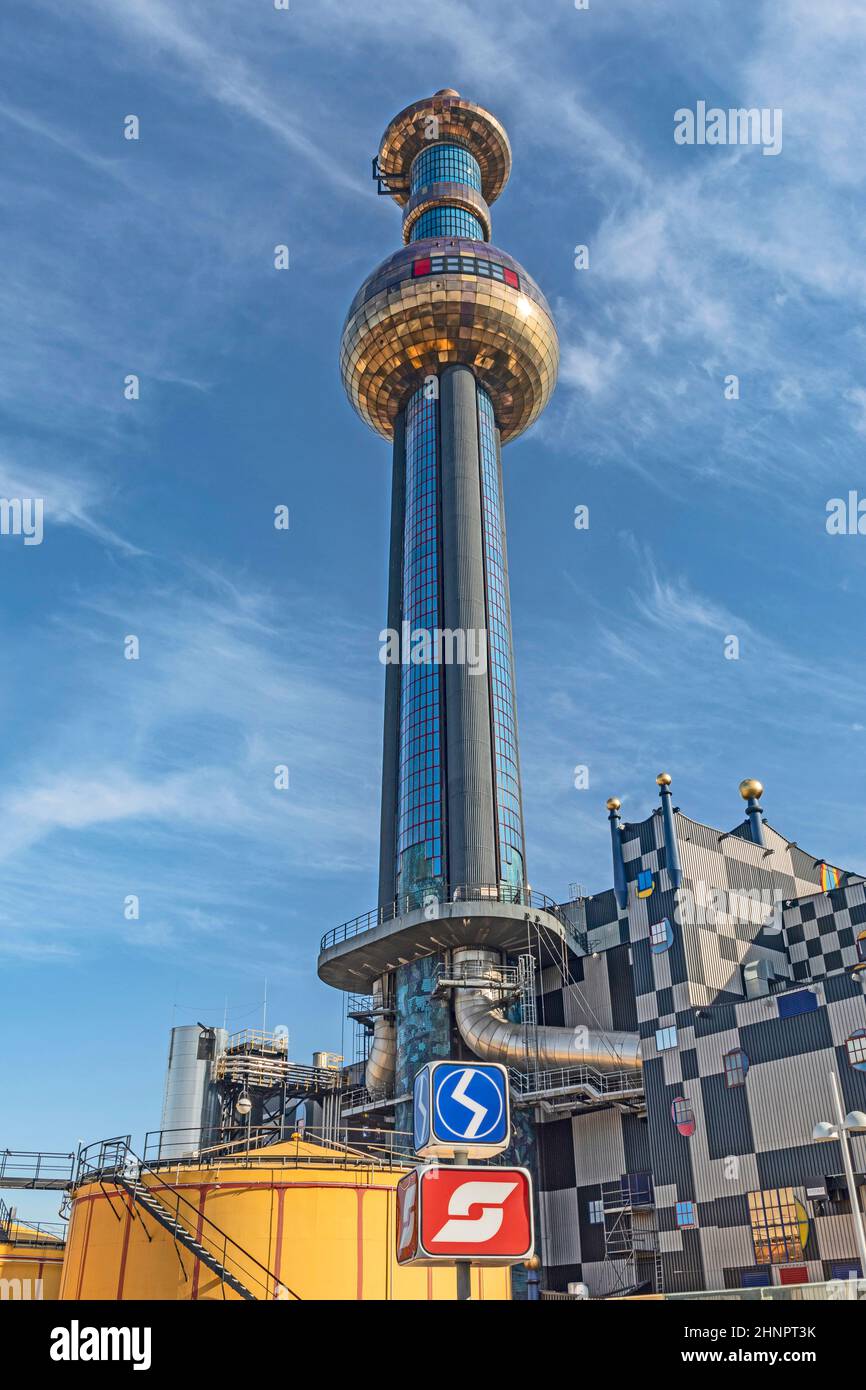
column 350, row 1145
column 258, row 1069
column 167, row 1145
column 362, row 1098
column 257, row 1040
column 112, row 1160
column 478, row 974
column 415, row 901
column 359, row 1144
column 27, row 1169
column 14, row 1231
column 833, row 1291
column 608, row 1085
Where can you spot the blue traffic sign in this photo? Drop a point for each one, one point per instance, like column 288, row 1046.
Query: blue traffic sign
column 421, row 1115
column 469, row 1103
column 461, row 1106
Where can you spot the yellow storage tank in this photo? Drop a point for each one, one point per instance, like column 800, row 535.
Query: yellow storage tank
column 31, row 1262
column 298, row 1219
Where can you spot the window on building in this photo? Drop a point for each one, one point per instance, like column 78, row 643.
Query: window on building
column 736, row 1066
column 861, row 946
column 687, row 1214
column 596, row 1213
column 779, row 1226
column 645, row 883
column 661, row 936
column 829, row 878
column 683, row 1116
column 445, row 220
column 666, row 1038
column 856, row 1046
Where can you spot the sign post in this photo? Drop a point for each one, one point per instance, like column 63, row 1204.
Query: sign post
column 463, row 1213
column 464, row 1267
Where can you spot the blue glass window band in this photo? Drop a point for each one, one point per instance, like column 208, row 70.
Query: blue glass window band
column 445, row 164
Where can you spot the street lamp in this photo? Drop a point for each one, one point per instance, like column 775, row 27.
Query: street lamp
column 824, row 1133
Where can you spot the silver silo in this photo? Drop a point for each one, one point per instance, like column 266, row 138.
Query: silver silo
column 191, row 1106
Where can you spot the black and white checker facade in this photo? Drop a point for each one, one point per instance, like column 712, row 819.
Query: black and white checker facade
column 740, row 1138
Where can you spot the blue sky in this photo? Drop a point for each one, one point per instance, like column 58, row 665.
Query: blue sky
column 707, row 516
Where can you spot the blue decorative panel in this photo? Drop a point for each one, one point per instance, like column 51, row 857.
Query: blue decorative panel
column 802, row 1001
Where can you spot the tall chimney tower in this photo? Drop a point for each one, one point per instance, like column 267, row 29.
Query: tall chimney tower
column 449, row 351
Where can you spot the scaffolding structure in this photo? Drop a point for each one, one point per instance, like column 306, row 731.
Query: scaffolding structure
column 631, row 1237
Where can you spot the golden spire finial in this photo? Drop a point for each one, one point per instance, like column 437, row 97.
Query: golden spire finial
column 751, row 787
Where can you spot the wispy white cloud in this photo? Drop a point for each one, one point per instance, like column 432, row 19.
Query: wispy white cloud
column 72, row 498
column 188, row 37
column 184, row 743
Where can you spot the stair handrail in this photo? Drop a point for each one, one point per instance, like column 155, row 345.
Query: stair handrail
column 121, row 1146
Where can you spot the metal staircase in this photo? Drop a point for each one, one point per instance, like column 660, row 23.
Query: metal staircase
column 115, row 1163
column 143, row 1197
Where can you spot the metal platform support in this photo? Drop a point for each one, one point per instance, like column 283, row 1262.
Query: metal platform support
column 47, row 1172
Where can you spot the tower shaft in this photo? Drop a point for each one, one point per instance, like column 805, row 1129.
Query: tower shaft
column 449, row 350
column 451, row 804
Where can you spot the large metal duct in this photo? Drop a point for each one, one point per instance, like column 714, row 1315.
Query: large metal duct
column 382, row 1061
column 491, row 1036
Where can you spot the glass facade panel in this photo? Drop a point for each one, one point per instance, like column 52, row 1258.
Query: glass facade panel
column 504, row 720
column 736, row 1066
column 445, row 164
column 447, row 221
column 777, row 1226
column 687, row 1214
column 420, row 859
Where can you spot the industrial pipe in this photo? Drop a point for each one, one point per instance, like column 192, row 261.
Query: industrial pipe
column 491, row 1036
column 382, row 1061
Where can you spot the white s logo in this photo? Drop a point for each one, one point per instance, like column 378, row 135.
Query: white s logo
column 475, row 1230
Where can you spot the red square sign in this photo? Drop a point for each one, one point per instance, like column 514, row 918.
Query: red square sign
column 483, row 1215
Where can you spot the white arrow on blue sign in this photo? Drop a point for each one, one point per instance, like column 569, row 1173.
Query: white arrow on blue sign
column 461, row 1106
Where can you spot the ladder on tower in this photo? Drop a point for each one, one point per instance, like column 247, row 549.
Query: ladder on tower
column 528, row 1010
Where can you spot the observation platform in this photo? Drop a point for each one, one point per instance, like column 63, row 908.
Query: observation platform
column 354, row 955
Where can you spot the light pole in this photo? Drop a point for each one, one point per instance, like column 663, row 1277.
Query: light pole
column 824, row 1133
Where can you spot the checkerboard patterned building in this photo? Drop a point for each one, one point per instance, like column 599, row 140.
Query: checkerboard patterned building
column 747, row 987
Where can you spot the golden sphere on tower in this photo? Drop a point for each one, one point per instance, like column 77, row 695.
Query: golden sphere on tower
column 613, row 803
column 751, row 787
column 664, row 779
